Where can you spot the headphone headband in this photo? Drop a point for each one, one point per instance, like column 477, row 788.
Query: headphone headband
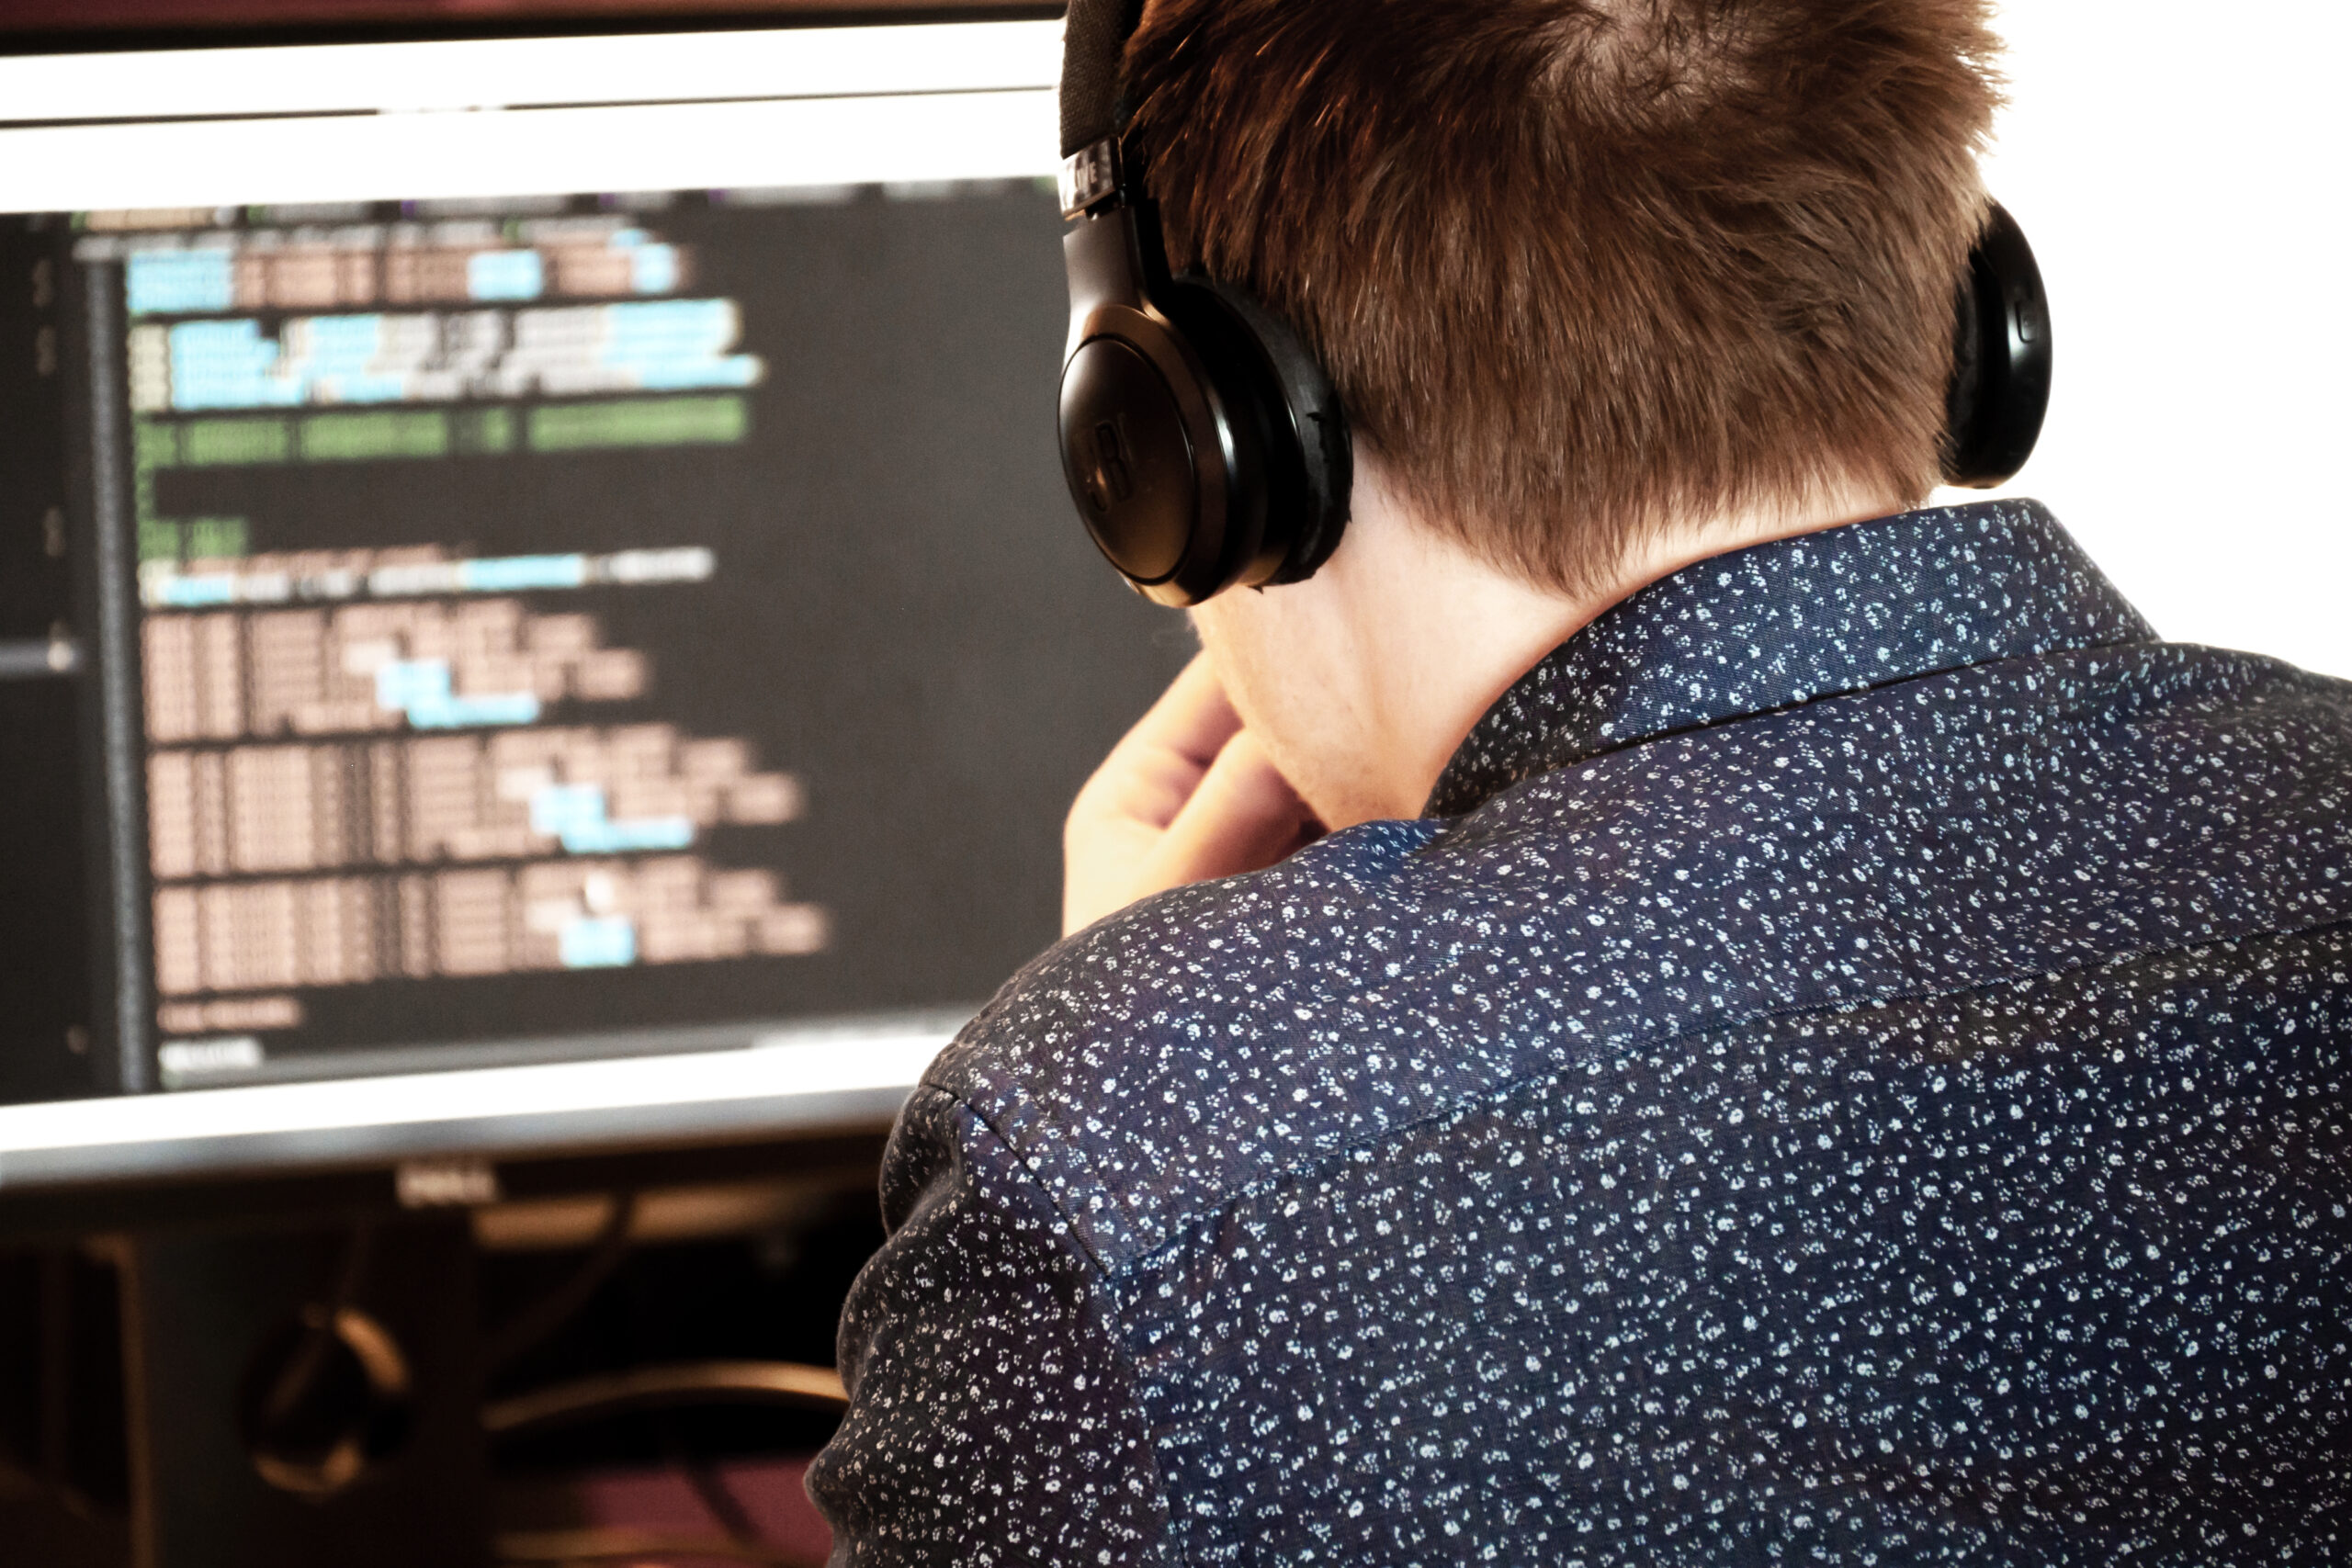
column 1094, row 40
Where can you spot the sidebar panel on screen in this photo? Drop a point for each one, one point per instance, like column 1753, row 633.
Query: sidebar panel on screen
column 561, row 626
column 48, row 1049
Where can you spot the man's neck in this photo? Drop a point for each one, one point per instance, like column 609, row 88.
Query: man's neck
column 1363, row 680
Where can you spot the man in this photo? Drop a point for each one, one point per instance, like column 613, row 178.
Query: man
column 1811, row 1033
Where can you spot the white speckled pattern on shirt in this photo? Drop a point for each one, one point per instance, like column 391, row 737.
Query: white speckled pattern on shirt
column 1746, row 1124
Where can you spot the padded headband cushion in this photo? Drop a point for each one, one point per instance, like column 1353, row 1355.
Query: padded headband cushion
column 1094, row 40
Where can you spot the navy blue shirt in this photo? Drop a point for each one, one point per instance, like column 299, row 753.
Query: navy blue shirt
column 1850, row 1068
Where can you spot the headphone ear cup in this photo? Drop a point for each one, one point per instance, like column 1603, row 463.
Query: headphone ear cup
column 1162, row 440
column 1999, row 390
column 1309, row 451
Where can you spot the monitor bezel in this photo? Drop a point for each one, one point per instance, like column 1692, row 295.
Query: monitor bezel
column 214, row 24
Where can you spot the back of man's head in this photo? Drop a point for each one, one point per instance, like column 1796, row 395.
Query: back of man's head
column 1586, row 269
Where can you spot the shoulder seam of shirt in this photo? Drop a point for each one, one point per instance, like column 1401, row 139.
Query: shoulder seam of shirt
column 1075, row 1235
column 1029, row 1172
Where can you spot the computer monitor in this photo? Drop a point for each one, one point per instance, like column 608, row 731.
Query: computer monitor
column 538, row 602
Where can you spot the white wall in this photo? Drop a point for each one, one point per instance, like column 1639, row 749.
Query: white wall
column 2180, row 170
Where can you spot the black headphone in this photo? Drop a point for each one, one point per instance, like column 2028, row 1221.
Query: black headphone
column 1205, row 447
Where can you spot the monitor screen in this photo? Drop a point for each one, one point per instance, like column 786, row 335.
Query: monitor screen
column 512, row 588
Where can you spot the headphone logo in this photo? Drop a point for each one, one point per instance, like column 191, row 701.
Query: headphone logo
column 1110, row 479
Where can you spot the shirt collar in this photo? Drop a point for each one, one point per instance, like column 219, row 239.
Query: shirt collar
column 1786, row 622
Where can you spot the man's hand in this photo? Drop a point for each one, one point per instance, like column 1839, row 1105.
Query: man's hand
column 1186, row 797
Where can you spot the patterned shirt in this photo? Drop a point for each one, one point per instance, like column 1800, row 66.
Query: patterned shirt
column 1850, row 1068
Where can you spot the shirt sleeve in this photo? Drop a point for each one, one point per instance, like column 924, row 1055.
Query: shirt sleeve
column 992, row 1415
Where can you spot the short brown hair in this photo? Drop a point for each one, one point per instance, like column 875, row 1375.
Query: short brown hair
column 1581, row 267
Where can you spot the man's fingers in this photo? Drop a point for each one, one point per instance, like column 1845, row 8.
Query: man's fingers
column 1192, row 718
column 1244, row 815
column 1154, row 769
column 1187, row 796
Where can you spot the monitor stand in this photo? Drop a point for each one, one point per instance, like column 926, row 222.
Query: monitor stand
column 300, row 1396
